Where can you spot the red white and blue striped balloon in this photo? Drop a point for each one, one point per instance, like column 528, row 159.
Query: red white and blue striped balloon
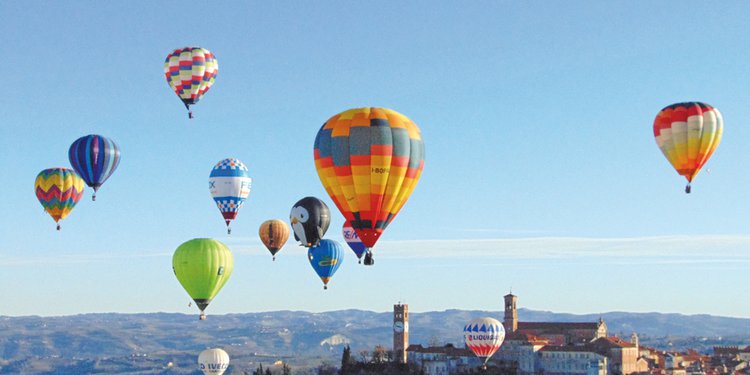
column 484, row 336
column 95, row 158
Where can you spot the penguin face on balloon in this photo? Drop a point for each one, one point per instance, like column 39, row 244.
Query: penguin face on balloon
column 310, row 218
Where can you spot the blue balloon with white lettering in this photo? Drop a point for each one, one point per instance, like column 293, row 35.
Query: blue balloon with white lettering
column 352, row 239
column 229, row 184
column 325, row 259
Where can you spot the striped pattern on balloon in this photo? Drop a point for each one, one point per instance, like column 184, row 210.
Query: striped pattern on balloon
column 688, row 134
column 58, row 190
column 94, row 158
column 190, row 72
column 369, row 160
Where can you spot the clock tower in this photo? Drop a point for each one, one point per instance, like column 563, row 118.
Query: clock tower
column 400, row 332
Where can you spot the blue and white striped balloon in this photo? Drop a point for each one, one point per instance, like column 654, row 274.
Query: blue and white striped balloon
column 95, row 158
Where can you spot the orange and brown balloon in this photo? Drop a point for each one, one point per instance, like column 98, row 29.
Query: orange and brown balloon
column 274, row 234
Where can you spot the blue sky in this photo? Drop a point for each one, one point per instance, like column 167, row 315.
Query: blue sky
column 541, row 171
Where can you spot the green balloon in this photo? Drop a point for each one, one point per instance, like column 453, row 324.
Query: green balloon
column 202, row 266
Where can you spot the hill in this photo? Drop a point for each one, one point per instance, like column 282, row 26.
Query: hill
column 147, row 343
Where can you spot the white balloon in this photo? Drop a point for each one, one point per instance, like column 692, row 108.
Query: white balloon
column 484, row 336
column 213, row 361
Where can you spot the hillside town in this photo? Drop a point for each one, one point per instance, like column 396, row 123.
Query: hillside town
column 557, row 348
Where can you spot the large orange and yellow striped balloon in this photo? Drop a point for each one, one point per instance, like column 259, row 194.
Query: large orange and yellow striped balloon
column 687, row 134
column 58, row 190
column 369, row 161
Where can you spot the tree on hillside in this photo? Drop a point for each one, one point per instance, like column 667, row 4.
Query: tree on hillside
column 346, row 359
column 286, row 370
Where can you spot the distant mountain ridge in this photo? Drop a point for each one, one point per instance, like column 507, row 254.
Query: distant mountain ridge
column 298, row 334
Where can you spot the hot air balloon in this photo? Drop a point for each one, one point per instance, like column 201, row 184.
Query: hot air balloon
column 58, row 190
column 213, row 361
column 202, row 266
column 95, row 158
column 351, row 238
column 369, row 161
column 190, row 72
column 229, row 184
column 325, row 259
column 484, row 337
column 310, row 218
column 274, row 234
column 687, row 134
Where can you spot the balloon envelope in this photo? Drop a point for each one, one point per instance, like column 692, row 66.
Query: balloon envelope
column 213, row 361
column 95, row 158
column 369, row 161
column 58, row 190
column 229, row 185
column 351, row 238
column 190, row 72
column 310, row 218
column 484, row 336
column 326, row 258
column 688, row 134
column 202, row 267
column 274, row 234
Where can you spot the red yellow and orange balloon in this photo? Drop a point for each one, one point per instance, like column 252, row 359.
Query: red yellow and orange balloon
column 369, row 161
column 688, row 134
column 58, row 190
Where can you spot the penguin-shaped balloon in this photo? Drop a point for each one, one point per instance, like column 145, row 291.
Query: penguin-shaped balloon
column 310, row 218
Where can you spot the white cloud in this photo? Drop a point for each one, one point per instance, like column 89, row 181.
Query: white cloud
column 679, row 248
column 676, row 249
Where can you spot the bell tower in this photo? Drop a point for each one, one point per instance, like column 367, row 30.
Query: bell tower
column 510, row 320
column 400, row 332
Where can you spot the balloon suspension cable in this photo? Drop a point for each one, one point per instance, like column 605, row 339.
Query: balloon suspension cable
column 687, row 188
column 58, row 226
